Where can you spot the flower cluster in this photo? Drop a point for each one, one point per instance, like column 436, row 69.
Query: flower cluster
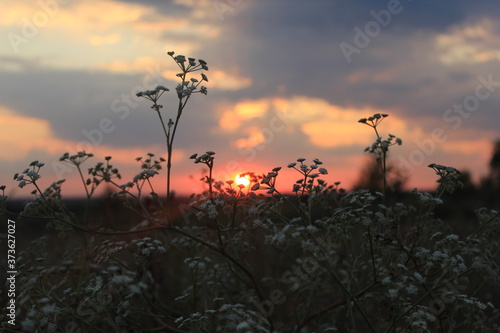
column 448, row 177
column 103, row 171
column 306, row 183
column 189, row 65
column 146, row 246
column 374, row 120
column 29, row 175
column 149, row 166
column 77, row 158
column 269, row 181
column 153, row 95
column 207, row 158
column 380, row 145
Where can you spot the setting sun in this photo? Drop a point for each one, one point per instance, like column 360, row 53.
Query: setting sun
column 245, row 180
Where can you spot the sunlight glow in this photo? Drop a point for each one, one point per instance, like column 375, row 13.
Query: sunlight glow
column 245, row 180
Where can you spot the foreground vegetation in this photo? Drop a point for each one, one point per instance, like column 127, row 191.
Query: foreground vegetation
column 250, row 258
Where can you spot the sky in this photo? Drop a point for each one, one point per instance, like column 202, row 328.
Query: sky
column 288, row 79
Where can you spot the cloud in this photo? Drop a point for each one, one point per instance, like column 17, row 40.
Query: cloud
column 478, row 147
column 73, row 16
column 71, row 28
column 137, row 65
column 325, row 125
column 218, row 79
column 25, row 135
column 470, row 42
column 242, row 112
column 110, row 39
column 255, row 138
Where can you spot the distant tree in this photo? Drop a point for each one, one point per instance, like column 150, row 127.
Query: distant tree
column 371, row 177
column 467, row 184
column 492, row 181
column 495, row 166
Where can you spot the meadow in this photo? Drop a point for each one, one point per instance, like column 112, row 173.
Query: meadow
column 245, row 257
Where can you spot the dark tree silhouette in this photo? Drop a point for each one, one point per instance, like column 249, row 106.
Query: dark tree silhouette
column 491, row 183
column 495, row 166
column 371, row 177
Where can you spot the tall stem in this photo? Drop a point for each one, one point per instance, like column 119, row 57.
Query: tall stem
column 157, row 108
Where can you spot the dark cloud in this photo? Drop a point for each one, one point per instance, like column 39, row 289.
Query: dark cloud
column 295, row 44
column 76, row 101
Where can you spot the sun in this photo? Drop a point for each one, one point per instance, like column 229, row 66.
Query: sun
column 245, row 180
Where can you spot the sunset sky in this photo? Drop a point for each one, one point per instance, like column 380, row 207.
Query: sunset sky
column 287, row 79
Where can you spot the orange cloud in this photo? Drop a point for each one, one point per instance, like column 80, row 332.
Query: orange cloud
column 243, row 111
column 255, row 138
column 339, row 127
column 218, row 79
column 481, row 147
column 27, row 134
column 97, row 40
column 90, row 13
column 23, row 135
column 325, row 124
column 228, row 81
column 138, row 65
column 71, row 28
